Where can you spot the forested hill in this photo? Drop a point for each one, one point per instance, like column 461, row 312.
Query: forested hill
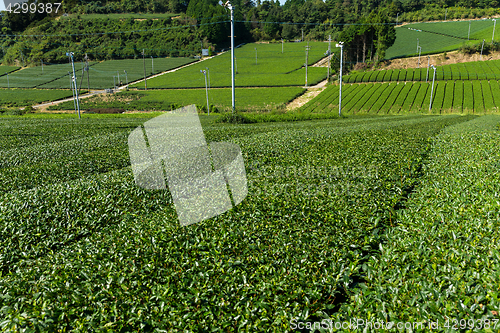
column 123, row 28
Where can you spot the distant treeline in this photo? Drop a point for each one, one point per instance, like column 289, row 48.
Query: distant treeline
column 197, row 24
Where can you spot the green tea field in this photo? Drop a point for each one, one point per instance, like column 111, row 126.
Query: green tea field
column 382, row 218
column 474, row 70
column 7, row 69
column 34, row 76
column 100, row 74
column 272, row 68
column 108, row 73
column 478, row 96
column 168, row 99
column 25, row 97
column 436, row 37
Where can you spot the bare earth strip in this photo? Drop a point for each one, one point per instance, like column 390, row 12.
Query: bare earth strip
column 307, row 96
column 452, row 57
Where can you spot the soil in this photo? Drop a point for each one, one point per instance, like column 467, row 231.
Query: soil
column 452, row 57
column 307, row 96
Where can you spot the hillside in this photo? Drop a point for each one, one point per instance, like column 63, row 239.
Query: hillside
column 122, row 29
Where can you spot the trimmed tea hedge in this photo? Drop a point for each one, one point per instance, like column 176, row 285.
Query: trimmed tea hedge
column 97, row 253
column 441, row 262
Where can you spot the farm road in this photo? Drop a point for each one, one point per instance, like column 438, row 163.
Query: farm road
column 98, row 92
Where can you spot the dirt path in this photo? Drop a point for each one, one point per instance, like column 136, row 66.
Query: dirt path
column 44, row 106
column 307, row 96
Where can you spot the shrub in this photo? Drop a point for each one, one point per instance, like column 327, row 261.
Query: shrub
column 14, row 112
column 233, row 118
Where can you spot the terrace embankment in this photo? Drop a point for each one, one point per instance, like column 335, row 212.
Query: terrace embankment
column 446, row 58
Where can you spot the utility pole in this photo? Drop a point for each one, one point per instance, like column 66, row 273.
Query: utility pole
column 70, row 54
column 482, row 46
column 341, row 45
column 307, row 59
column 419, row 51
column 428, row 63
column 228, row 5
column 87, row 69
column 144, row 62
column 118, row 74
column 206, row 89
column 417, row 44
column 432, row 88
column 208, row 73
column 72, row 91
column 126, row 76
column 494, row 26
column 152, row 66
column 22, row 57
column 397, row 17
column 329, row 57
column 468, row 36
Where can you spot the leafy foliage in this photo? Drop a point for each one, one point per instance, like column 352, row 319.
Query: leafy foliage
column 474, row 70
column 85, row 249
column 24, row 97
column 467, row 96
column 441, row 261
column 272, row 68
column 252, row 99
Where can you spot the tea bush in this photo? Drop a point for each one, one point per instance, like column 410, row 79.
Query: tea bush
column 83, row 248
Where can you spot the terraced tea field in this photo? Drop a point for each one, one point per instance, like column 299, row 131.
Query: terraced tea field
column 458, row 29
column 247, row 98
column 100, row 74
column 83, row 248
column 7, row 69
column 107, row 73
column 25, row 97
column 449, row 228
column 479, row 97
column 35, row 76
column 474, row 70
column 272, row 68
column 436, row 37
